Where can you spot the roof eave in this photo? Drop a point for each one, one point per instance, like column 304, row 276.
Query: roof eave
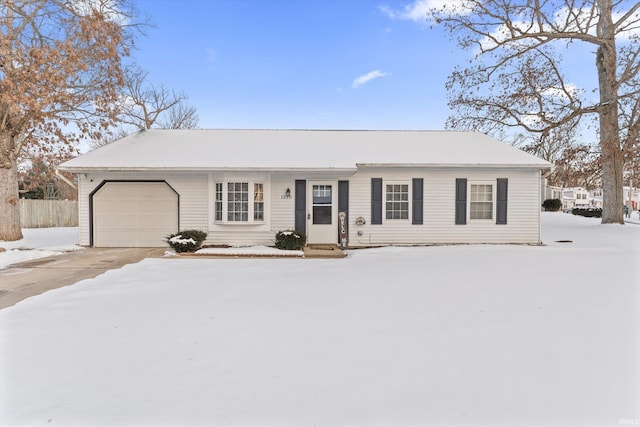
column 89, row 169
column 458, row 165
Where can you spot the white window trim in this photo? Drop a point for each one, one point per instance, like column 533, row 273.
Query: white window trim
column 493, row 201
column 384, row 201
column 251, row 180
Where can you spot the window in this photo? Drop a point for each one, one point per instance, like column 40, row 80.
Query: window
column 322, row 203
column 481, row 203
column 218, row 201
column 239, row 202
column 397, row 201
column 258, row 202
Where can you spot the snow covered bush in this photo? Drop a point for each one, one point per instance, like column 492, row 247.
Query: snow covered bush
column 186, row 240
column 293, row 240
column 552, row 205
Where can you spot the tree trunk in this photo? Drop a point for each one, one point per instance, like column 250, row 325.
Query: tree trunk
column 612, row 162
column 9, row 201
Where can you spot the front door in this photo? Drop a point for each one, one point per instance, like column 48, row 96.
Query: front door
column 322, row 215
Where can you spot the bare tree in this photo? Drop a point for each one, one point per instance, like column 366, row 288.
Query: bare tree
column 576, row 164
column 180, row 116
column 142, row 101
column 37, row 173
column 59, row 68
column 144, row 105
column 516, row 78
column 630, row 136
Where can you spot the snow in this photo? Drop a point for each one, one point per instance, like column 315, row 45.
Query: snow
column 237, row 149
column 39, row 243
column 249, row 250
column 179, row 240
column 467, row 335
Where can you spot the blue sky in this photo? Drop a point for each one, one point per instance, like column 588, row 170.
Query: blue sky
column 304, row 64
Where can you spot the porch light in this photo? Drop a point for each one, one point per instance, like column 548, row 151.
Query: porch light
column 287, row 194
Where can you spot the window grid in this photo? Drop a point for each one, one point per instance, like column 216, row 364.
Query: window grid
column 258, row 202
column 218, row 201
column 322, row 194
column 481, row 202
column 397, row 201
column 238, row 201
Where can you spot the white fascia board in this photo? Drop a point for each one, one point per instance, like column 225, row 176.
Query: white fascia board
column 199, row 169
column 454, row 165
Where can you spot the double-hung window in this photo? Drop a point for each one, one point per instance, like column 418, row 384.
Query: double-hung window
column 219, row 201
column 258, row 201
column 397, row 201
column 239, row 202
column 481, row 201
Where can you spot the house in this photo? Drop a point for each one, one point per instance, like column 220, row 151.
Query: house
column 631, row 197
column 596, row 198
column 575, row 197
column 551, row 192
column 370, row 187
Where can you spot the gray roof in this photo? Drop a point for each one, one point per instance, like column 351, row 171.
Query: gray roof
column 213, row 149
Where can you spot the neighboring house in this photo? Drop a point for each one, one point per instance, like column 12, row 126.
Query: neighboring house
column 575, row 197
column 596, row 198
column 243, row 186
column 551, row 192
column 631, row 197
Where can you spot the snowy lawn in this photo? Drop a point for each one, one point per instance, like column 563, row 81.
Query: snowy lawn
column 39, row 243
column 432, row 336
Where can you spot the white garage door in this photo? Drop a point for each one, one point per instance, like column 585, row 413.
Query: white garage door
column 134, row 214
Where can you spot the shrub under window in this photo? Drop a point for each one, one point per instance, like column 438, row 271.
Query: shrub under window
column 186, row 240
column 293, row 240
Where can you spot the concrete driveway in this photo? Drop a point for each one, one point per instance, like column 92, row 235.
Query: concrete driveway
column 26, row 279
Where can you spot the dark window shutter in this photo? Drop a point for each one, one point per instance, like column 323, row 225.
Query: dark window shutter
column 301, row 205
column 461, row 200
column 501, row 201
column 343, row 196
column 417, row 206
column 376, row 200
column 343, row 202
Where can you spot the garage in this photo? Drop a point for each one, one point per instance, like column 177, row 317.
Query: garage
column 134, row 214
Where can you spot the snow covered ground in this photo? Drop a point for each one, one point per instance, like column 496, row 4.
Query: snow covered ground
column 39, row 243
column 429, row 336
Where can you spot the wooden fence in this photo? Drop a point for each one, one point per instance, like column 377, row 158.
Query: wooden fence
column 48, row 213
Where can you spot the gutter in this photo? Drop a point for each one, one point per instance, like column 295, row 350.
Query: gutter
column 72, row 169
column 459, row 165
column 85, row 169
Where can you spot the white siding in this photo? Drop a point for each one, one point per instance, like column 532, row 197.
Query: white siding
column 282, row 209
column 85, row 186
column 196, row 195
column 191, row 188
column 439, row 209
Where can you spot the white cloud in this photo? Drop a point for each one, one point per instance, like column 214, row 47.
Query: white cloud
column 418, row 10
column 502, row 33
column 577, row 20
column 359, row 81
column 108, row 7
column 569, row 90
